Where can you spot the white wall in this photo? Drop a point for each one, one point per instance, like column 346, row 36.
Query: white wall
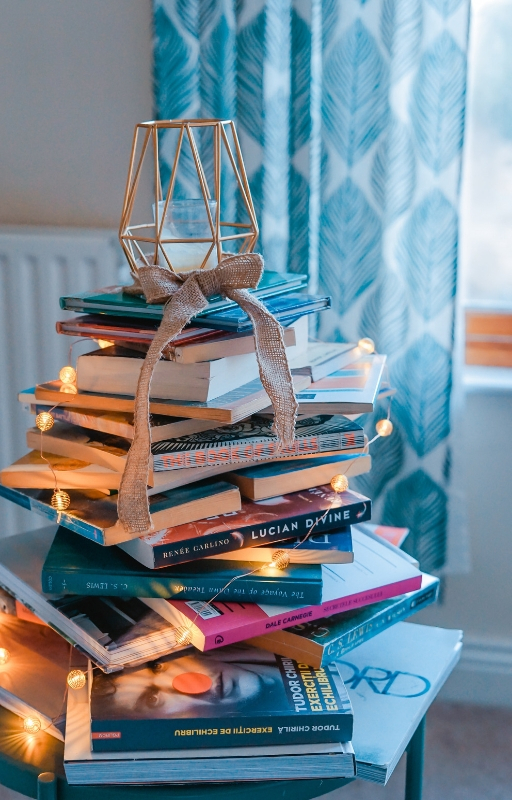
column 76, row 77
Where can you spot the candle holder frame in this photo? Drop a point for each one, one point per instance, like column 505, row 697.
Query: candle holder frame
column 134, row 237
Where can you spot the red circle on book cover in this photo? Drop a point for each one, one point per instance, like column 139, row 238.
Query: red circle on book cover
column 192, row 683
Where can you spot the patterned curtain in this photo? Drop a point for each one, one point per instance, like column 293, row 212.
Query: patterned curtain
column 351, row 119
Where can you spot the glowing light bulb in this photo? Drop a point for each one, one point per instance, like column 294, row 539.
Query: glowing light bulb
column 44, row 421
column 367, row 345
column 280, row 559
column 339, row 483
column 67, row 375
column 60, row 500
column 384, row 427
column 31, row 724
column 4, row 656
column 76, row 679
column 103, row 343
column 183, row 636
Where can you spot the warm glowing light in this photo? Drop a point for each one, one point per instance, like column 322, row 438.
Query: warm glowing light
column 4, row 656
column 60, row 500
column 76, row 679
column 339, row 483
column 44, row 421
column 367, row 345
column 384, row 427
column 183, row 636
column 31, row 724
column 68, row 388
column 67, row 375
column 103, row 343
column 280, row 559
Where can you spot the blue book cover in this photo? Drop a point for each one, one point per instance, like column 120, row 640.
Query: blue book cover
column 113, row 300
column 392, row 680
column 236, row 696
column 325, row 640
column 286, row 308
column 77, row 566
column 334, row 547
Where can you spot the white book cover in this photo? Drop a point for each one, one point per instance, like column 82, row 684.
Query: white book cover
column 392, row 680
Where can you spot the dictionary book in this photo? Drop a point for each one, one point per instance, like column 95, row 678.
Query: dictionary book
column 239, row 696
column 379, row 571
column 258, row 522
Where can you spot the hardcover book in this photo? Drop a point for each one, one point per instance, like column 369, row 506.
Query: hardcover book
column 322, row 548
column 75, row 565
column 116, row 370
column 258, row 522
column 237, row 696
column 269, row 480
column 229, row 408
column 276, row 762
column 392, row 680
column 112, row 631
column 94, row 515
column 113, row 300
column 352, row 390
column 379, row 571
column 325, row 640
column 286, row 308
column 35, row 650
column 188, row 347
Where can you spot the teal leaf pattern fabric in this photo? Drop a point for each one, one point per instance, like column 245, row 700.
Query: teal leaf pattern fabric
column 438, row 103
column 428, row 254
column 351, row 120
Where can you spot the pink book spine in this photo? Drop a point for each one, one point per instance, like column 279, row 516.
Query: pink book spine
column 309, row 613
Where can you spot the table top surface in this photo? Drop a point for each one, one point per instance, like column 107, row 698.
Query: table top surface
column 23, row 758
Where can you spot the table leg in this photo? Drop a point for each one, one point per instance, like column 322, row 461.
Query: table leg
column 46, row 786
column 415, row 758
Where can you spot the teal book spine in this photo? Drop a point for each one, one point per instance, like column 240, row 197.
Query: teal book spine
column 341, row 635
column 258, row 587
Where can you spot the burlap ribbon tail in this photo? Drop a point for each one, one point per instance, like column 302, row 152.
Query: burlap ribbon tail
column 184, row 299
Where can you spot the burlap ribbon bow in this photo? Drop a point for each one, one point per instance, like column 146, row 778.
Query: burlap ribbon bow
column 184, row 299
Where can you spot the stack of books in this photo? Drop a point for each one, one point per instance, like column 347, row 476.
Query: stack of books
column 273, row 576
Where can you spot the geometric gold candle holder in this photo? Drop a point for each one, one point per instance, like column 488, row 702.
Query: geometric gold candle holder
column 186, row 234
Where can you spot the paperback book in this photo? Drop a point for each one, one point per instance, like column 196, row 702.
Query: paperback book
column 112, row 631
column 94, row 515
column 35, row 650
column 325, row 640
column 113, row 300
column 323, row 358
column 228, row 408
column 392, row 680
column 319, row 548
column 196, row 765
column 75, row 565
column 379, row 571
column 257, row 523
column 237, row 696
column 32, row 471
column 352, row 390
column 269, row 480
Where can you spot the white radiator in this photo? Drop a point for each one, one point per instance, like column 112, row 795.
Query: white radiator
column 37, row 266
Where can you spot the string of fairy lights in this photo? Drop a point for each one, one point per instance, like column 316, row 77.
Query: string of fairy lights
column 60, row 501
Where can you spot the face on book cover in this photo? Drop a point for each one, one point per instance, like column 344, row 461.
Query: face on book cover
column 241, row 679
